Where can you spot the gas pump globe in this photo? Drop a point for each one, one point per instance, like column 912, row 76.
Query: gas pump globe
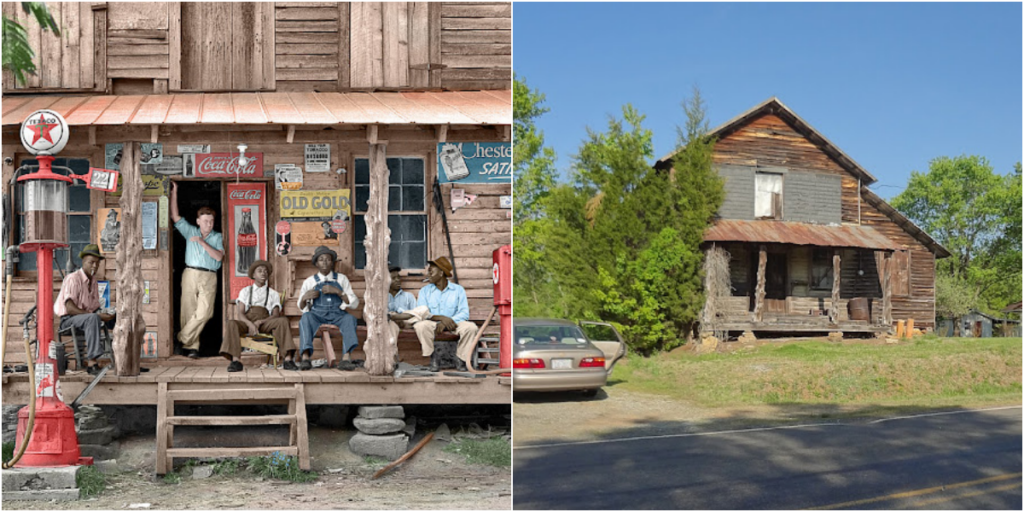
column 54, row 441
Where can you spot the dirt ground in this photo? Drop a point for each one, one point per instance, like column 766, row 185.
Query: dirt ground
column 432, row 479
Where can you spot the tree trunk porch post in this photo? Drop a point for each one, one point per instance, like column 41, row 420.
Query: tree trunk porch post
column 833, row 311
column 130, row 327
column 762, row 261
column 380, row 352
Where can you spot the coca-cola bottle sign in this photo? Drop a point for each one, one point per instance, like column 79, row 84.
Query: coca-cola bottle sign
column 226, row 165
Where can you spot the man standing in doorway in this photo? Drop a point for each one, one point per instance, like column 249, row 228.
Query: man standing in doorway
column 204, row 251
column 449, row 311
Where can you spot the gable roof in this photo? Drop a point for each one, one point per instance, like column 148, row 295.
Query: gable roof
column 904, row 223
column 774, row 106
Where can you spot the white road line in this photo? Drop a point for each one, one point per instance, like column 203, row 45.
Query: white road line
column 743, row 431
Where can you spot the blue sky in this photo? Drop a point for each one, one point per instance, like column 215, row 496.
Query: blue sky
column 893, row 85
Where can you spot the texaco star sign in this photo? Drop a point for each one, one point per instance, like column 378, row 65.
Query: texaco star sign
column 44, row 132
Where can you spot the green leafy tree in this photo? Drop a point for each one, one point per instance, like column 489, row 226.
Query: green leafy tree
column 976, row 214
column 17, row 53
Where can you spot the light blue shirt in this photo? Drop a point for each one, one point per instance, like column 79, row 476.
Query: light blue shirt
column 195, row 254
column 401, row 302
column 451, row 302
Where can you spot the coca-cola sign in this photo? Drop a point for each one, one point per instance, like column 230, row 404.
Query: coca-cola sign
column 246, row 195
column 226, row 165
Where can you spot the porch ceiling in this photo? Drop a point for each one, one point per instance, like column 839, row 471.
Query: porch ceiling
column 797, row 233
column 287, row 108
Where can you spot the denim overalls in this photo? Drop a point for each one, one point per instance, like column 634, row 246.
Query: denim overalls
column 326, row 309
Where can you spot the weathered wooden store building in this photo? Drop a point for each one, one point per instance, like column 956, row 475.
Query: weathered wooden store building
column 324, row 96
column 810, row 248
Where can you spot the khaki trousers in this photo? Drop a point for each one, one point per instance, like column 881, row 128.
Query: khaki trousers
column 418, row 313
column 425, row 330
column 198, row 295
column 279, row 328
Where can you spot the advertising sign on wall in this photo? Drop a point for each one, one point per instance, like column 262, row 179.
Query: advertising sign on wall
column 108, row 229
column 475, row 162
column 225, row 165
column 315, row 204
column 247, row 232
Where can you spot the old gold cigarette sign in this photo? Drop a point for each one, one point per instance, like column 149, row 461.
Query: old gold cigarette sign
column 315, row 204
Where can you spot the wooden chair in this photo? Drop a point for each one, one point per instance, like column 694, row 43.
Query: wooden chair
column 263, row 343
column 324, row 332
column 78, row 342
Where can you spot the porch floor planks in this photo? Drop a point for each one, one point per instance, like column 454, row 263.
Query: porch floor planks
column 187, row 375
column 170, row 374
column 274, row 374
column 152, row 374
column 205, row 374
column 220, row 375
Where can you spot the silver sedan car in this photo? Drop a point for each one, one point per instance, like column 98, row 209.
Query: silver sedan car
column 558, row 355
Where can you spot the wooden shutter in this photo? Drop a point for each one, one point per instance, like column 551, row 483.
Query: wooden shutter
column 901, row 273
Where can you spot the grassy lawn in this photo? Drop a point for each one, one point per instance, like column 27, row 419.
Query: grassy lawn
column 926, row 372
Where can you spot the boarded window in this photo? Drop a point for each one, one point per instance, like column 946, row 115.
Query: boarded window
column 768, row 196
column 407, row 217
column 901, row 273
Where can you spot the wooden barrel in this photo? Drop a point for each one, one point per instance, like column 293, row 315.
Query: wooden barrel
column 859, row 309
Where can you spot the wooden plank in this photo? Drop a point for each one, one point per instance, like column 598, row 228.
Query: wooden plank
column 306, row 74
column 367, row 45
column 138, row 16
column 317, row 38
column 71, row 53
column 174, row 45
column 396, row 44
column 34, row 35
column 140, row 41
column 302, row 427
column 139, row 49
column 476, row 37
column 50, row 52
column 489, row 10
column 164, row 409
column 435, row 35
column 137, row 34
column 232, row 452
column 477, row 49
column 306, row 26
column 8, row 75
column 220, row 395
column 306, row 49
column 273, row 419
column 476, row 23
column 307, row 61
column 205, row 374
column 266, row 39
column 217, row 42
column 138, row 61
column 477, row 61
column 162, row 74
column 185, row 376
column 306, row 14
column 273, row 375
column 419, row 44
column 344, row 44
column 99, row 19
column 243, row 42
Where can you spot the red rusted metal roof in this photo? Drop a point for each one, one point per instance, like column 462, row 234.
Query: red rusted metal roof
column 288, row 108
column 797, row 233
column 1013, row 308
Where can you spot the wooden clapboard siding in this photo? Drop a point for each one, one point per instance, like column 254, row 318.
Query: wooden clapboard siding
column 62, row 63
column 476, row 50
column 306, row 49
column 138, row 37
column 225, row 46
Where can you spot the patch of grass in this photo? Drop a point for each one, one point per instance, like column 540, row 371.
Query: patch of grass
column 8, row 452
column 90, row 481
column 281, row 467
column 929, row 370
column 370, row 460
column 172, row 478
column 226, row 467
column 494, row 451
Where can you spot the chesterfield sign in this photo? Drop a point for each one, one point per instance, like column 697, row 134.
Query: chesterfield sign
column 225, row 165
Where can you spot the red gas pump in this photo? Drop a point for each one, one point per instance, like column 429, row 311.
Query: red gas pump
column 503, row 301
column 54, row 441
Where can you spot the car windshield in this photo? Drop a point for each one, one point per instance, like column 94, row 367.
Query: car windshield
column 549, row 335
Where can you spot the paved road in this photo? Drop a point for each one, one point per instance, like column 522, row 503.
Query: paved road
column 966, row 460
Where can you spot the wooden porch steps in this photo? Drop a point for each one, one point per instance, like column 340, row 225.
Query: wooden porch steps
column 292, row 394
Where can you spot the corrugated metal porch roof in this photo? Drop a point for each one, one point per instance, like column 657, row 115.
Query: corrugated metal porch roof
column 797, row 233
column 285, row 108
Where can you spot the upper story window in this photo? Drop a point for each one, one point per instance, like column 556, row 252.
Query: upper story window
column 407, row 212
column 768, row 196
column 79, row 216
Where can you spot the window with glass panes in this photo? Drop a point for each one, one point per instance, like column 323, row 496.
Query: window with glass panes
column 79, row 216
column 407, row 211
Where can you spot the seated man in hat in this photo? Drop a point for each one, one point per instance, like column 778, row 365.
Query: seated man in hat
column 323, row 299
column 402, row 312
column 258, row 308
column 78, row 305
column 449, row 311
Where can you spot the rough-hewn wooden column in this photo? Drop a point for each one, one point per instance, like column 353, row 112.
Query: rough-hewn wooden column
column 762, row 262
column 887, row 289
column 130, row 327
column 380, row 352
column 833, row 312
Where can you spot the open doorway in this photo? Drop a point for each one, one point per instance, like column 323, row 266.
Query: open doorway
column 193, row 195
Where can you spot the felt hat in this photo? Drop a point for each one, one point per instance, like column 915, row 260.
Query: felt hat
column 91, row 250
column 324, row 250
column 394, row 268
column 443, row 264
column 260, row 263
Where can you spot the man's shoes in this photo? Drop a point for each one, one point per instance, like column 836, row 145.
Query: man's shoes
column 291, row 366
column 346, row 365
column 305, row 365
column 235, row 366
column 94, row 369
column 461, row 365
column 192, row 354
column 435, row 364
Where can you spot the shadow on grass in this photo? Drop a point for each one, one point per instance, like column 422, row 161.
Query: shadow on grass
column 730, row 462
